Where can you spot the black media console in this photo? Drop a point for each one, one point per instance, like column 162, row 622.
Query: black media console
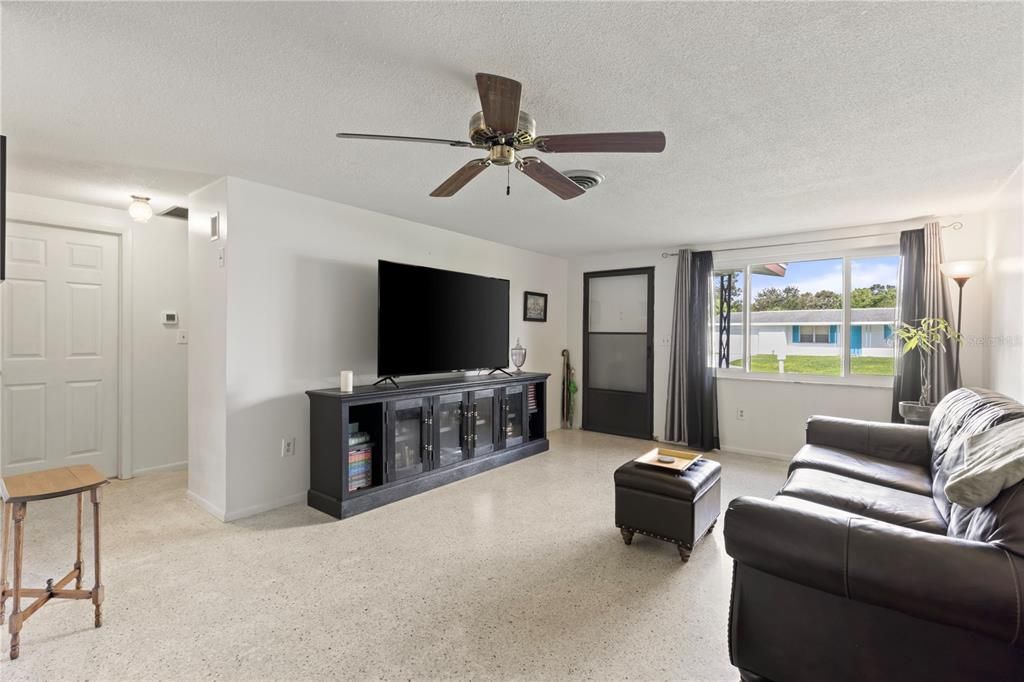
column 378, row 444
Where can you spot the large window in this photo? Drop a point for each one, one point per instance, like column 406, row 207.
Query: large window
column 796, row 309
column 873, row 314
column 830, row 317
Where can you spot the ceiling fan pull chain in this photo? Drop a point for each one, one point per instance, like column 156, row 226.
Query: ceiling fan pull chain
column 508, row 181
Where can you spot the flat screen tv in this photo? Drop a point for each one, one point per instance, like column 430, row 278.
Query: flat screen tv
column 431, row 320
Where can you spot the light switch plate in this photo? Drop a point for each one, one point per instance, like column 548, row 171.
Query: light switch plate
column 182, row 336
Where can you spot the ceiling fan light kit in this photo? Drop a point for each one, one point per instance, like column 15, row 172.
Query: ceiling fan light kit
column 503, row 130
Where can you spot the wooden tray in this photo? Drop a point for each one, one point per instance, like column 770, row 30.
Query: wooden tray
column 682, row 462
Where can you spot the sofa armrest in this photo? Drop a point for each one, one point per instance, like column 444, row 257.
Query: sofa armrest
column 961, row 583
column 895, row 442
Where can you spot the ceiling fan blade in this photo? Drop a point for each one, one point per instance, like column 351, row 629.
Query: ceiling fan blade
column 549, row 177
column 403, row 138
column 649, row 142
column 460, row 178
column 499, row 99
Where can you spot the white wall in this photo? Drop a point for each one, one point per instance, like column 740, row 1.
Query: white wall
column 207, row 373
column 302, row 304
column 157, row 256
column 1004, row 344
column 775, row 411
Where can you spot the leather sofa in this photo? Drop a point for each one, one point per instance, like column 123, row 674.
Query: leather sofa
column 861, row 569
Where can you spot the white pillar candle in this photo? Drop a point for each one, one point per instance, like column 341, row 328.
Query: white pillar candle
column 346, row 381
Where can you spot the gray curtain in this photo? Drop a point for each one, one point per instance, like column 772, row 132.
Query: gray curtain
column 923, row 293
column 701, row 402
column 941, row 363
column 910, row 308
column 675, row 411
column 692, row 414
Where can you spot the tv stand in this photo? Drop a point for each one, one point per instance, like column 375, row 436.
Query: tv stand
column 499, row 369
column 382, row 380
column 378, row 444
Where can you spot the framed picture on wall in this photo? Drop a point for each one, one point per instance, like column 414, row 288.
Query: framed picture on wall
column 535, row 306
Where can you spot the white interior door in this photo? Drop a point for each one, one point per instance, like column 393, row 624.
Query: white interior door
column 60, row 349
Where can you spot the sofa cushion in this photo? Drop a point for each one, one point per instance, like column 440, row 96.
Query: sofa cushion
column 874, row 501
column 912, row 478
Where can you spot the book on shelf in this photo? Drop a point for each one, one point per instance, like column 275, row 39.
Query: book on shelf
column 360, row 466
column 531, row 397
column 358, row 438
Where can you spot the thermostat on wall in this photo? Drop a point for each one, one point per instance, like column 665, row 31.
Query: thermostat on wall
column 170, row 318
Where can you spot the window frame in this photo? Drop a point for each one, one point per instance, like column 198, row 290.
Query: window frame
column 846, row 377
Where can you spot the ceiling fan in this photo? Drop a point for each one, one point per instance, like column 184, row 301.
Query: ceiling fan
column 504, row 131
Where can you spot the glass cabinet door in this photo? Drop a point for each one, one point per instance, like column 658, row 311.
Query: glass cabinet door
column 449, row 443
column 482, row 421
column 408, row 426
column 513, row 422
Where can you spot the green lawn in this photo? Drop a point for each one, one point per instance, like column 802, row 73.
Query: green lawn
column 816, row 364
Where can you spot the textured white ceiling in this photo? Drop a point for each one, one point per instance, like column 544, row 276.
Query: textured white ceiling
column 779, row 117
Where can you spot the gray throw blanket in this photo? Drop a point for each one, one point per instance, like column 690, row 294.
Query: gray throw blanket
column 985, row 465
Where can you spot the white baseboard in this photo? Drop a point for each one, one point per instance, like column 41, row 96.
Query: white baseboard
column 205, row 505
column 778, row 456
column 263, row 507
column 173, row 466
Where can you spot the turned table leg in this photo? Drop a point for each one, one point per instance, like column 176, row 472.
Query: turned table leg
column 78, row 543
column 3, row 557
column 627, row 535
column 684, row 553
column 97, row 590
column 19, row 551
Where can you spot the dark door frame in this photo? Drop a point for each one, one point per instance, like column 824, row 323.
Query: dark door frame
column 587, row 276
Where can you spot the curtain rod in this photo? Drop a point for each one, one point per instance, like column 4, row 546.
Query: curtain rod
column 665, row 254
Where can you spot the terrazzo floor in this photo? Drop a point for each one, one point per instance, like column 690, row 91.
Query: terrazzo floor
column 517, row 573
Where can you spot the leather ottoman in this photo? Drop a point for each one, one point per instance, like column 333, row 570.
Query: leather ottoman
column 680, row 508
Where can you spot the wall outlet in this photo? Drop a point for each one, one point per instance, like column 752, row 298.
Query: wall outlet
column 182, row 336
column 288, row 446
column 740, row 414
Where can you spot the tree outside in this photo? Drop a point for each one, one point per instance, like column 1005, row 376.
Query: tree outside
column 791, row 298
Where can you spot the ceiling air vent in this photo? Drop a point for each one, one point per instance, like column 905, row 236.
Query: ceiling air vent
column 587, row 179
column 176, row 212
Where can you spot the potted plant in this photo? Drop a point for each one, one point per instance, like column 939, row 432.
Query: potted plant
column 926, row 336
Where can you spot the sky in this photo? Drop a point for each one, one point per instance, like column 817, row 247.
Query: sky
column 814, row 276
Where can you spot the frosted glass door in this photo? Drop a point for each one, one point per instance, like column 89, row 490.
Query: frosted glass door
column 617, row 352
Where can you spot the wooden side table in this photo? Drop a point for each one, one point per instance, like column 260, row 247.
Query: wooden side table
column 17, row 492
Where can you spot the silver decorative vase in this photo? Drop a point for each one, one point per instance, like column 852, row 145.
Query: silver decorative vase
column 518, row 357
column 914, row 412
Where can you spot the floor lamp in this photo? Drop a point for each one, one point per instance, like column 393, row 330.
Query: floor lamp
column 960, row 271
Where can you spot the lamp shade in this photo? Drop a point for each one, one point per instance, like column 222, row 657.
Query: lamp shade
column 962, row 269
